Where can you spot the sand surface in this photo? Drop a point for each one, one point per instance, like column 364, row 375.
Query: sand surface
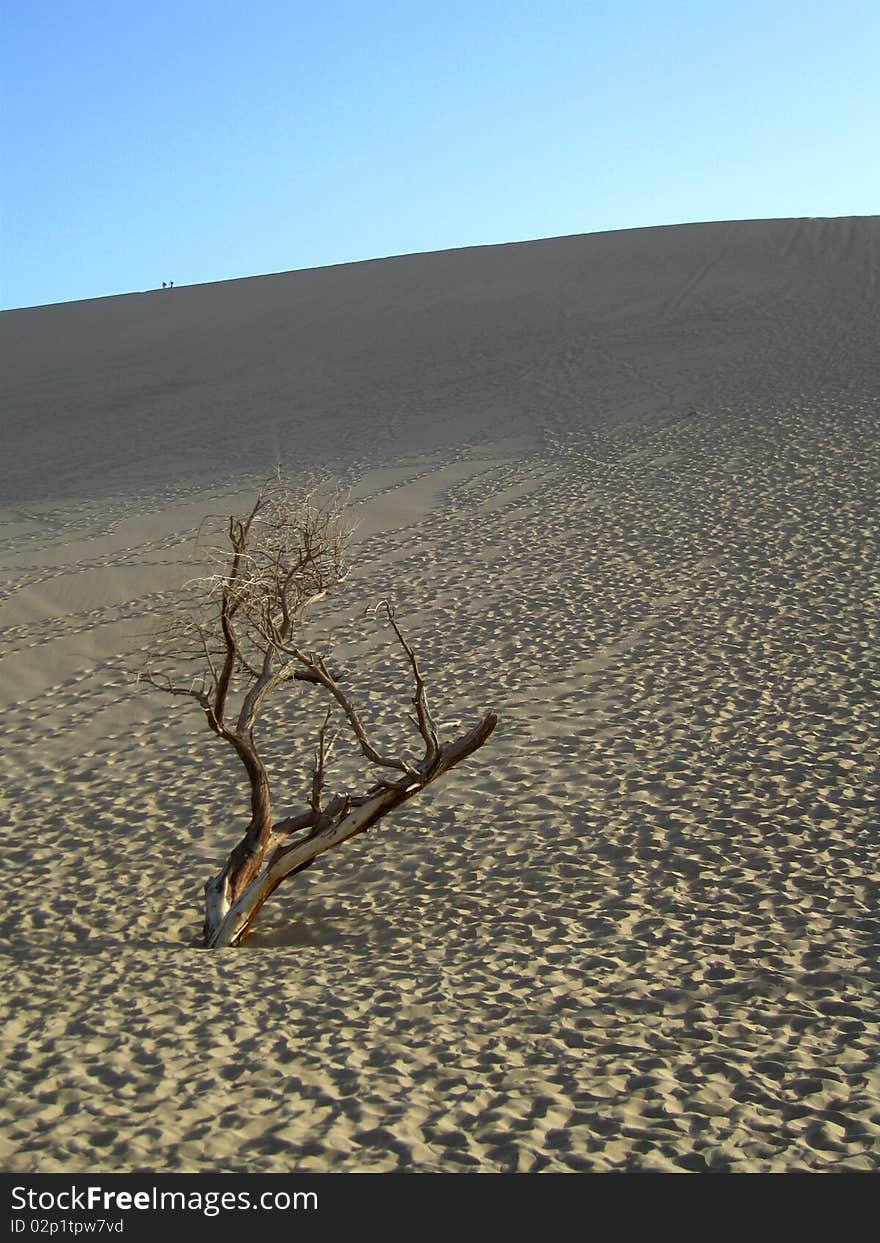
column 624, row 490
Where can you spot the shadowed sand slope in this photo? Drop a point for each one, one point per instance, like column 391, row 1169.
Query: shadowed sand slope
column 198, row 383
column 639, row 930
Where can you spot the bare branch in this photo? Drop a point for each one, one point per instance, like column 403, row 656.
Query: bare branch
column 319, row 672
column 425, row 722
column 322, row 754
column 354, row 816
column 236, row 643
column 162, row 682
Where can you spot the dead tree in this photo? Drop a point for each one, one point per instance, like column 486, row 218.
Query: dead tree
column 239, row 644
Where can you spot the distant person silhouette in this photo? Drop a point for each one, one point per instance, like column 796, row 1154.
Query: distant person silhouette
column 171, row 284
column 163, row 284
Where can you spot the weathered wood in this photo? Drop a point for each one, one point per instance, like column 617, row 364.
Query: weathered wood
column 236, row 650
column 287, row 860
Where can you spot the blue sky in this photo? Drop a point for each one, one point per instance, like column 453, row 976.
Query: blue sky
column 200, row 141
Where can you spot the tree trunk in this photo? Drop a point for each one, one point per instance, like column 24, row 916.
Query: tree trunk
column 246, row 859
column 229, row 917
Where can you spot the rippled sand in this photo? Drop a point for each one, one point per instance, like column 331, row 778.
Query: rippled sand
column 637, row 931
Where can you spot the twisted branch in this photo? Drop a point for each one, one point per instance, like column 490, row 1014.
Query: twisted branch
column 281, row 558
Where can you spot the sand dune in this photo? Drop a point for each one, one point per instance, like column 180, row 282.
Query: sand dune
column 623, row 489
column 185, row 386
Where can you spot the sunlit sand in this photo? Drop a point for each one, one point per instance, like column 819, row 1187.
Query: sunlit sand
column 623, row 491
